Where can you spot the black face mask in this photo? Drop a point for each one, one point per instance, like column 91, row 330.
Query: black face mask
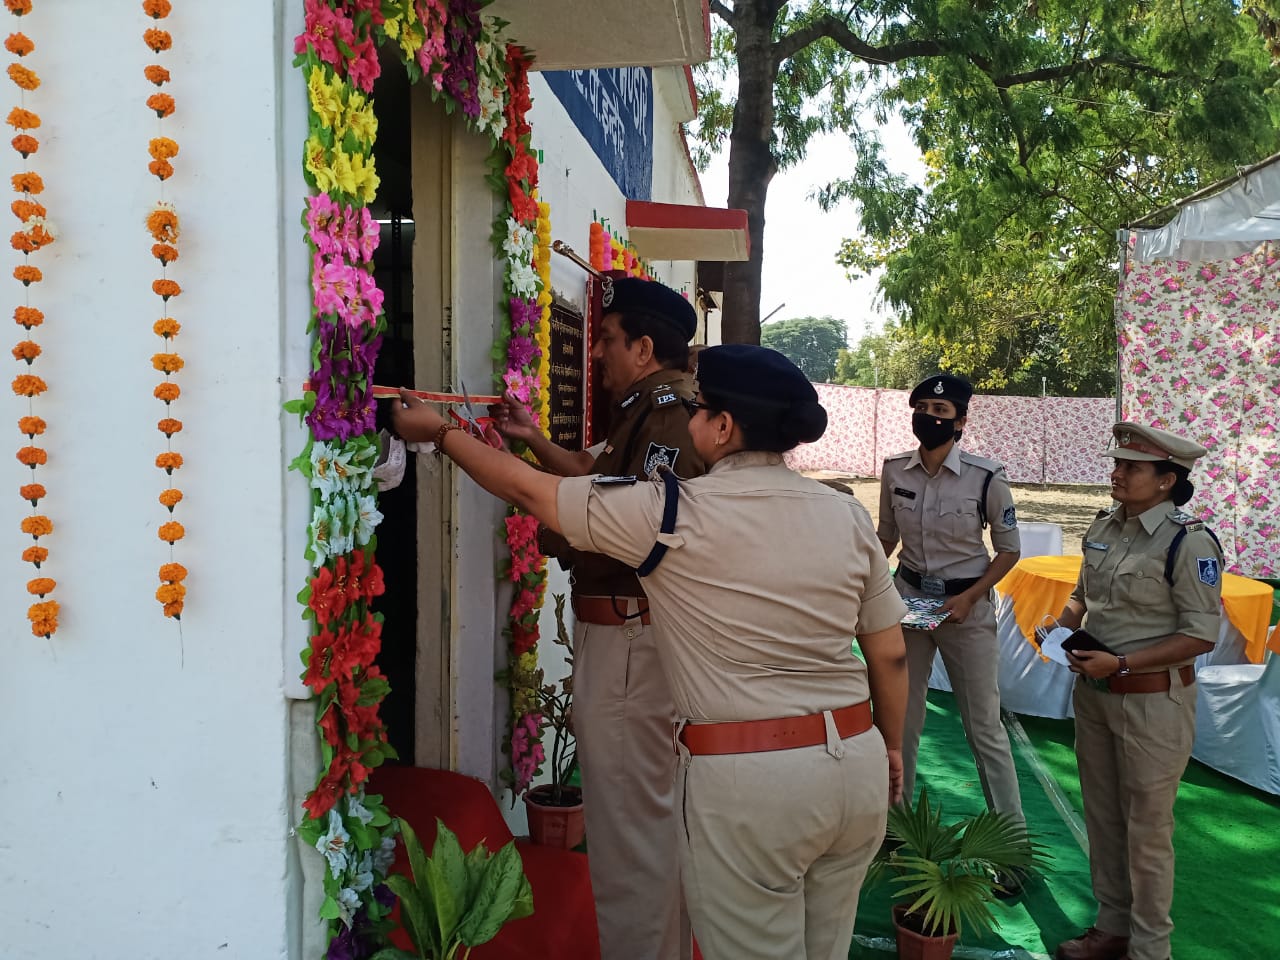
column 931, row 431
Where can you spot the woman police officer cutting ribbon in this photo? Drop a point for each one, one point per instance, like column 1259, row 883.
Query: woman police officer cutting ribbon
column 1150, row 592
column 761, row 577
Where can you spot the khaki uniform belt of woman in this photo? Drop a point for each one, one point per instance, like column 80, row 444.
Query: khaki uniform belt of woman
column 784, row 733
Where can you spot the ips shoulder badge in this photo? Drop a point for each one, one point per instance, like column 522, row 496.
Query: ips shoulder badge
column 659, row 455
column 1207, row 567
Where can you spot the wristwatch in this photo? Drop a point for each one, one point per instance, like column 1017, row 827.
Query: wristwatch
column 1124, row 666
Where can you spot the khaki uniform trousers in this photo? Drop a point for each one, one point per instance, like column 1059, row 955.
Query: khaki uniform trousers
column 623, row 717
column 1131, row 750
column 775, row 846
column 972, row 658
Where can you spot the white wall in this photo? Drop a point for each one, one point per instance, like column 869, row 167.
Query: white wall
column 145, row 777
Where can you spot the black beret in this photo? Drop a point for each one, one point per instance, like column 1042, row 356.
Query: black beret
column 763, row 388
column 943, row 386
column 631, row 293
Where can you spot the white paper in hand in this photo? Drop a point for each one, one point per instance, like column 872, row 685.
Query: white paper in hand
column 1051, row 645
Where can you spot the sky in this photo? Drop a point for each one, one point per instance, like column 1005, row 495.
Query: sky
column 800, row 241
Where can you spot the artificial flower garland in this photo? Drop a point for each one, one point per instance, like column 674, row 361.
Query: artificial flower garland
column 607, row 252
column 34, row 234
column 163, row 226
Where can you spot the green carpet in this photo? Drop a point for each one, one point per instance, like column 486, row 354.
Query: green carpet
column 1227, row 895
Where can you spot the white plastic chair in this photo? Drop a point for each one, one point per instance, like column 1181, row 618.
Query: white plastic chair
column 1040, row 539
column 1238, row 722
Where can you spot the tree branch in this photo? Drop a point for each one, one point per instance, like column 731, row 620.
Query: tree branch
column 1069, row 70
column 839, row 31
column 721, row 11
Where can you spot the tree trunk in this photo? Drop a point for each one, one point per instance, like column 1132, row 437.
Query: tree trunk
column 751, row 165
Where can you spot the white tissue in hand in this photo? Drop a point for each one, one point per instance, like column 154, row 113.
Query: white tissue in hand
column 1051, row 644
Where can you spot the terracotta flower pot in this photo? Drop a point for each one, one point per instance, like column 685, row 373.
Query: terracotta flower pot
column 913, row 945
column 555, row 826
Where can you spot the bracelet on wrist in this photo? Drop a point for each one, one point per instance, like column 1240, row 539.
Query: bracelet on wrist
column 439, row 439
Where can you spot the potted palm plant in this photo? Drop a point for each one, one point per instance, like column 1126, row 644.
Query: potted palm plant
column 555, row 809
column 947, row 876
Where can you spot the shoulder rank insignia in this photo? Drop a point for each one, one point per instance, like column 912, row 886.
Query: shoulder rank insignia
column 604, row 481
column 1187, row 520
column 659, row 455
column 663, row 396
column 629, row 401
column 1207, row 568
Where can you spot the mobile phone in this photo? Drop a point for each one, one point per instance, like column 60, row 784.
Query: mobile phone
column 1083, row 640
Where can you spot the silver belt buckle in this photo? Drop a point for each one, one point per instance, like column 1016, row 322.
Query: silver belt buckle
column 933, row 586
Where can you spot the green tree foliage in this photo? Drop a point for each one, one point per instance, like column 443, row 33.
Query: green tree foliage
column 1045, row 124
column 811, row 343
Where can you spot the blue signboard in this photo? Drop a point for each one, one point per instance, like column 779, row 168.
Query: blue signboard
column 613, row 110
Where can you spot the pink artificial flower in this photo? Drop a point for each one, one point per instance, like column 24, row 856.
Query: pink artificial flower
column 321, row 214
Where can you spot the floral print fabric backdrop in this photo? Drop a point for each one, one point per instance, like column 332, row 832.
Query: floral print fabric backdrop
column 1200, row 355
column 1038, row 439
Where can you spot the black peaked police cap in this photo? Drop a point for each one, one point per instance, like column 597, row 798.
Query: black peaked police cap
column 629, row 294
column 943, row 386
column 763, row 388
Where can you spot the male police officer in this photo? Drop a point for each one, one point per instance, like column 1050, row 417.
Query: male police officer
column 622, row 707
column 937, row 499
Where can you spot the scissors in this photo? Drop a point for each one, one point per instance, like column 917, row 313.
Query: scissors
column 479, row 427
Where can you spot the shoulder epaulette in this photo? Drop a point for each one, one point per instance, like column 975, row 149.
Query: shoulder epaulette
column 899, row 456
column 1105, row 512
column 663, row 395
column 1185, row 519
column 986, row 464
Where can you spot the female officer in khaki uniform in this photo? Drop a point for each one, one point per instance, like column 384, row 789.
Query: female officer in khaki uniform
column 762, row 577
column 936, row 499
column 1150, row 591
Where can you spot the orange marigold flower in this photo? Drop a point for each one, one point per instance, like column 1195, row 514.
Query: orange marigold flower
column 19, row 44
column 41, row 585
column 24, row 210
column 31, row 426
column 162, row 148
column 27, row 182
column 173, row 610
column 166, row 288
column 37, row 526
column 169, row 426
column 36, row 555
column 171, row 532
column 32, row 491
column 161, row 168
column 21, row 119
column 170, row 592
column 43, row 617
column 158, row 9
column 156, row 74
column 23, row 77
column 25, row 144
column 173, row 572
column 26, row 350
column 170, row 498
column 167, row 362
column 168, row 392
column 157, row 40
column 22, row 242
column 166, row 327
column 161, row 103
column 27, row 317
column 28, row 275
column 32, row 456
column 28, row 385
column 169, row 462
column 164, row 252
column 18, row 7
column 162, row 224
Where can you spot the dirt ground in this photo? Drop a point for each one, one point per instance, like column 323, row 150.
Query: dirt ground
column 1074, row 507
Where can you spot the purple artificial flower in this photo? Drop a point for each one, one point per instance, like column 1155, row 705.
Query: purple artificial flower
column 461, row 80
column 521, row 351
column 525, row 315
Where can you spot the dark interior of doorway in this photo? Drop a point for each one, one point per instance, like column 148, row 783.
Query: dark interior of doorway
column 397, row 534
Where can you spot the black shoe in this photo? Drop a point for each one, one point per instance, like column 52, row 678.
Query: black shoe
column 1008, row 884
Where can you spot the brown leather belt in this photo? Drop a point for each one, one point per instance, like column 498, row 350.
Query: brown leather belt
column 609, row 611
column 1144, row 682
column 785, row 733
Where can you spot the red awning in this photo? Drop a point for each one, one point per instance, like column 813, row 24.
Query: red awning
column 677, row 231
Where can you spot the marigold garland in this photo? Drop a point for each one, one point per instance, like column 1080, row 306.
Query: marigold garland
column 163, row 226
column 35, row 232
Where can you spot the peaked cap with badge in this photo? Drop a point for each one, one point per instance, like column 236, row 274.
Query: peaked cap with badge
column 1133, row 441
column 628, row 294
column 943, row 386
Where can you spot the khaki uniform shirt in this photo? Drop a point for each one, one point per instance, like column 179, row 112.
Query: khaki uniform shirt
column 1129, row 603
column 649, row 427
column 767, row 579
column 937, row 518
